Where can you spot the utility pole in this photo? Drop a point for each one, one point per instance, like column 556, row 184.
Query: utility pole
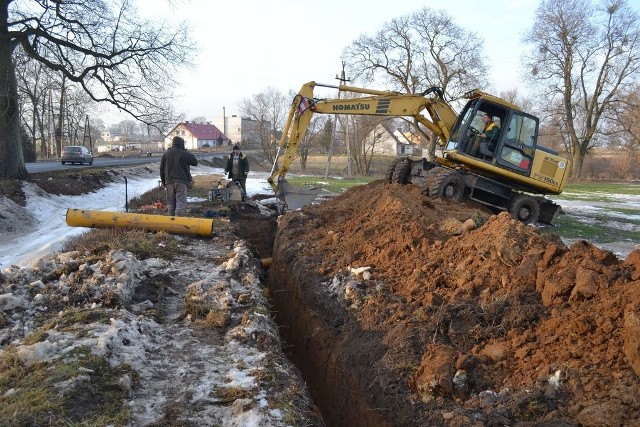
column 87, row 134
column 342, row 80
column 224, row 121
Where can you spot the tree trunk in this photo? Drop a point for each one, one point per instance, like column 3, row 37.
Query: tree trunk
column 61, row 109
column 577, row 163
column 11, row 157
column 44, row 151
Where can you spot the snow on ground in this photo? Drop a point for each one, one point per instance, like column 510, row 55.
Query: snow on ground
column 185, row 368
column 41, row 226
column 188, row 372
column 620, row 212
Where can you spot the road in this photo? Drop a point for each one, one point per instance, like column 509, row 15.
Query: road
column 55, row 165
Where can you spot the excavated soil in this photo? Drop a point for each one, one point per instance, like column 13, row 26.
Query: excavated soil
column 403, row 311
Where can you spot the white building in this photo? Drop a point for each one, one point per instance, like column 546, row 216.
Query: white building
column 241, row 130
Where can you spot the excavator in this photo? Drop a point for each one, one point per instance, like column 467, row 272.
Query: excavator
column 509, row 172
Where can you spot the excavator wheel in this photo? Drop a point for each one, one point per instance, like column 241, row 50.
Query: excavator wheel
column 445, row 184
column 401, row 172
column 390, row 170
column 525, row 208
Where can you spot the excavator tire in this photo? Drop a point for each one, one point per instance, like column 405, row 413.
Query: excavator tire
column 525, row 208
column 390, row 170
column 401, row 172
column 445, row 184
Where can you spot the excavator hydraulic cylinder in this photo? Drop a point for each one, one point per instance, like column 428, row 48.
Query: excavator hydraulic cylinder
column 170, row 224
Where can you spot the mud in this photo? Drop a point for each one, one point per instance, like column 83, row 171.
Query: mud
column 400, row 310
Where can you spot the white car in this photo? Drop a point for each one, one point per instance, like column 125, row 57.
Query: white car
column 76, row 154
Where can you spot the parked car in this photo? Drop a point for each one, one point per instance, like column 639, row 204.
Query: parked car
column 76, row 154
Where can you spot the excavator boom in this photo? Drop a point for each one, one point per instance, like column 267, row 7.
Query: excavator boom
column 378, row 103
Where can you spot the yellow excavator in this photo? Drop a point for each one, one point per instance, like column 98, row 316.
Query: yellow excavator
column 508, row 171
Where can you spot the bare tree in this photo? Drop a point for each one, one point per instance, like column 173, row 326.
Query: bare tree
column 34, row 86
column 102, row 46
column 622, row 128
column 310, row 139
column 418, row 51
column 582, row 58
column 128, row 127
column 513, row 96
column 269, row 109
column 362, row 141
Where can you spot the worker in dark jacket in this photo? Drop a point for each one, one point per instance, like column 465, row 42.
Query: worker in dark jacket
column 238, row 168
column 175, row 174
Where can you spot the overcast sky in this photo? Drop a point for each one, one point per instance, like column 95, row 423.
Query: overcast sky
column 246, row 46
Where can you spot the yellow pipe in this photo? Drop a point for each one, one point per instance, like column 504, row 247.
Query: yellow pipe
column 170, row 224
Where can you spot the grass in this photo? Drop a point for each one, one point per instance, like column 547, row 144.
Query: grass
column 51, row 393
column 608, row 187
column 612, row 217
column 73, row 319
column 333, row 185
column 594, row 229
column 217, row 318
column 141, row 243
column 231, row 394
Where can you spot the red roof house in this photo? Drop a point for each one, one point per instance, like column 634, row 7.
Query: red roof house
column 198, row 135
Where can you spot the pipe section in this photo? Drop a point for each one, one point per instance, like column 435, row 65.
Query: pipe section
column 170, row 224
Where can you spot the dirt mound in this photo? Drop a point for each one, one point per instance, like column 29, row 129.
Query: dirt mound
column 406, row 311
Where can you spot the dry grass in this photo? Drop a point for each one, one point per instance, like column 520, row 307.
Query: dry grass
column 231, row 394
column 143, row 244
column 30, row 397
column 204, row 312
column 217, row 318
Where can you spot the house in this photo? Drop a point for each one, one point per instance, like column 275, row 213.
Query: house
column 394, row 142
column 198, row 135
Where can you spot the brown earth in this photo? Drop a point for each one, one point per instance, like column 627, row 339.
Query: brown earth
column 453, row 323
column 495, row 325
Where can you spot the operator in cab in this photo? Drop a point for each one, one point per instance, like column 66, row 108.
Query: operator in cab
column 488, row 135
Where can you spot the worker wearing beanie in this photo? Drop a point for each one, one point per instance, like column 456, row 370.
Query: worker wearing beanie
column 175, row 175
column 238, row 168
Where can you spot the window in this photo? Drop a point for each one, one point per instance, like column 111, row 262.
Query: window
column 517, row 150
column 522, row 130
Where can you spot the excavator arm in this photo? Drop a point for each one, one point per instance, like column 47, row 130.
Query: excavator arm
column 375, row 102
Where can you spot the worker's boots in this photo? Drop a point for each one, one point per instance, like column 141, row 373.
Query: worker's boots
column 181, row 212
column 171, row 212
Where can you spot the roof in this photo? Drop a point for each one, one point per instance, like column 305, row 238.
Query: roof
column 203, row 130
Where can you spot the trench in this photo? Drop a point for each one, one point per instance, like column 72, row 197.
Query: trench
column 316, row 336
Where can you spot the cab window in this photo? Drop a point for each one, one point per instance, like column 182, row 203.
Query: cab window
column 522, row 130
column 519, row 144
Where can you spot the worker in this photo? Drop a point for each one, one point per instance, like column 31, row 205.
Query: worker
column 238, row 168
column 489, row 135
column 175, row 175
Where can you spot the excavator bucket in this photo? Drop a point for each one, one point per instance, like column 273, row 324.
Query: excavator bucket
column 295, row 197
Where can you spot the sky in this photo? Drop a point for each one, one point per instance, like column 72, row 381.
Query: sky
column 246, row 46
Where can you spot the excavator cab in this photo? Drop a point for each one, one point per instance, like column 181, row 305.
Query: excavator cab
column 467, row 134
column 513, row 146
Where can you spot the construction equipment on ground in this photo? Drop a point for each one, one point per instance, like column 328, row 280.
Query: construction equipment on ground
column 510, row 172
column 224, row 191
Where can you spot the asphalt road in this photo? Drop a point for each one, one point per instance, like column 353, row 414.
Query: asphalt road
column 55, row 165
